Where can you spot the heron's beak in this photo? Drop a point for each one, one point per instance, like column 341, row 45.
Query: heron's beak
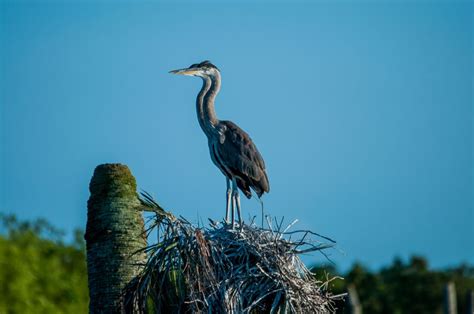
column 184, row 71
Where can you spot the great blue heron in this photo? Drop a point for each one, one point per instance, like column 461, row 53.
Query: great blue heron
column 232, row 150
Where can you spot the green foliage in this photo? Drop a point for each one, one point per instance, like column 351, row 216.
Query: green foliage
column 38, row 272
column 403, row 287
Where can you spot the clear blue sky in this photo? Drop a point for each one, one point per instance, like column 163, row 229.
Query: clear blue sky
column 363, row 114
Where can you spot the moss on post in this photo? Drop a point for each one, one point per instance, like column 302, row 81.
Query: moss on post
column 114, row 233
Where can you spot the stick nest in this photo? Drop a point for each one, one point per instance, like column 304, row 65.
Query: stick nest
column 218, row 269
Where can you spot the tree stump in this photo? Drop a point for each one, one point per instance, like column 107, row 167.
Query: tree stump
column 114, row 233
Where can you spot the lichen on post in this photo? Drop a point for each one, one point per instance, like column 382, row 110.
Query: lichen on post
column 114, row 234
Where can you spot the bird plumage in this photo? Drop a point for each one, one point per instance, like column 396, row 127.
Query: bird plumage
column 231, row 148
column 237, row 156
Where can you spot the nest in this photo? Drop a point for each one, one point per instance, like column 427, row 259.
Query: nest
column 220, row 269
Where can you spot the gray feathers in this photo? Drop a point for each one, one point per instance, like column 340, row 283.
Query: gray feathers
column 204, row 64
column 238, row 155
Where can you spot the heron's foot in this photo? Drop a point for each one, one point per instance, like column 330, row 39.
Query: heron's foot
column 236, row 226
column 228, row 224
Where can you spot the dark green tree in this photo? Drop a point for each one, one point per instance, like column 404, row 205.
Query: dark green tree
column 410, row 287
column 39, row 273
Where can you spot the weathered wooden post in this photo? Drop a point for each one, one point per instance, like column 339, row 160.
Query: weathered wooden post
column 450, row 304
column 114, row 233
column 353, row 298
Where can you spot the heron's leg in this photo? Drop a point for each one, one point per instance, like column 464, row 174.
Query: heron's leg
column 228, row 201
column 233, row 208
column 236, row 196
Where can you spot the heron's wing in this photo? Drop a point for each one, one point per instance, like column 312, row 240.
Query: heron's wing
column 241, row 157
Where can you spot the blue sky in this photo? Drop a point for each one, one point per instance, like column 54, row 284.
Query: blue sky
column 363, row 113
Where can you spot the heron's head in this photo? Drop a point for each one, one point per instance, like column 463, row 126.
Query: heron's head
column 203, row 69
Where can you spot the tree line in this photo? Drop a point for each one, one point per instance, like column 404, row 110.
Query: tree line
column 402, row 287
column 41, row 273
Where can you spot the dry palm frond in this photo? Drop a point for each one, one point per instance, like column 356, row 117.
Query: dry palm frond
column 221, row 270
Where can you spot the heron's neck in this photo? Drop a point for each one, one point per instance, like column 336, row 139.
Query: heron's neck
column 205, row 104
